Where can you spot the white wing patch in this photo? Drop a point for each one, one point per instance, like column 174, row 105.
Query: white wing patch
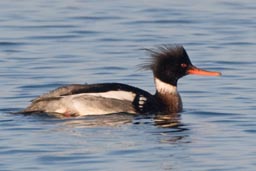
column 98, row 103
column 119, row 94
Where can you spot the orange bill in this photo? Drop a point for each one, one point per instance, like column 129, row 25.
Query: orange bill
column 196, row 71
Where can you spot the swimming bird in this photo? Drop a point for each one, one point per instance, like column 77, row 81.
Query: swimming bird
column 168, row 63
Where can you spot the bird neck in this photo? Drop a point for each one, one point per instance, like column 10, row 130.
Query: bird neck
column 164, row 88
column 168, row 96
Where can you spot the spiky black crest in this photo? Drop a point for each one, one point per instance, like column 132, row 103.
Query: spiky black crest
column 166, row 62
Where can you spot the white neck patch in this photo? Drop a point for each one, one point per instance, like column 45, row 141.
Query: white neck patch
column 163, row 87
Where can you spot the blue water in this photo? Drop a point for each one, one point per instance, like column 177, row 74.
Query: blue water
column 45, row 44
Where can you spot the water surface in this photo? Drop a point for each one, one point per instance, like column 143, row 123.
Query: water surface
column 46, row 44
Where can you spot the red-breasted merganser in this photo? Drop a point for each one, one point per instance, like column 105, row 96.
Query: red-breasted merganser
column 168, row 63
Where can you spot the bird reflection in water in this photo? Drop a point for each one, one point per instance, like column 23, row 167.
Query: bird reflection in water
column 174, row 131
column 171, row 130
column 167, row 120
column 111, row 120
column 163, row 121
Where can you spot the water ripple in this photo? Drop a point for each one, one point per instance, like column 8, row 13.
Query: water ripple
column 46, row 45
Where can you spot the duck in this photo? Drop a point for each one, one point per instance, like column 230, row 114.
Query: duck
column 168, row 63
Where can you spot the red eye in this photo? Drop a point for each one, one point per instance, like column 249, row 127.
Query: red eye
column 184, row 65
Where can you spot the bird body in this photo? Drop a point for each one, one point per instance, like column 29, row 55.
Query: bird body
column 168, row 64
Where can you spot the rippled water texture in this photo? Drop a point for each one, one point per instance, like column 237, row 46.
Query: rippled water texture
column 46, row 44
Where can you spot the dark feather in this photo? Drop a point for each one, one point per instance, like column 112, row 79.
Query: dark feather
column 166, row 61
column 162, row 54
